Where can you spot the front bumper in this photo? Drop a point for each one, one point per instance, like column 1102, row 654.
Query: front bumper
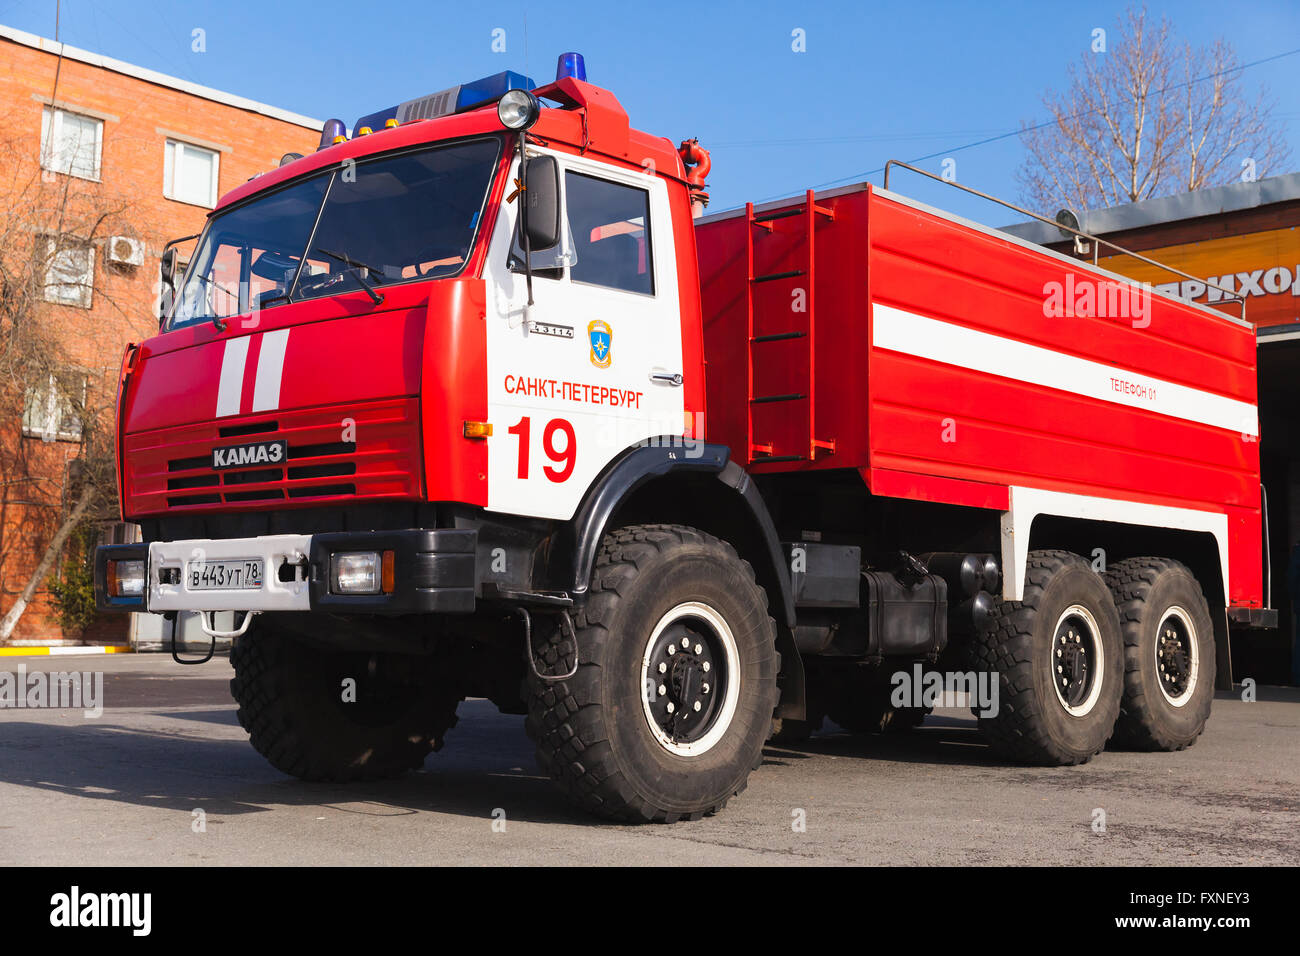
column 434, row 572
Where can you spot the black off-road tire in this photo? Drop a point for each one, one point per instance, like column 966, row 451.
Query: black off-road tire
column 1148, row 592
column 1032, row 724
column 592, row 732
column 290, row 697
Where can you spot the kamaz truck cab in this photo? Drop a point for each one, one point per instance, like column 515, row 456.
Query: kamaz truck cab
column 385, row 423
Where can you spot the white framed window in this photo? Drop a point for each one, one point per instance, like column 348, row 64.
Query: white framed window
column 69, row 274
column 190, row 173
column 51, row 408
column 71, row 143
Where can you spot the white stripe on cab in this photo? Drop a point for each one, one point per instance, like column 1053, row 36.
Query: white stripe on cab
column 270, row 368
column 231, row 385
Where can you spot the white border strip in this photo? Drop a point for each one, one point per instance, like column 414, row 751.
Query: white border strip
column 901, row 331
column 1028, row 503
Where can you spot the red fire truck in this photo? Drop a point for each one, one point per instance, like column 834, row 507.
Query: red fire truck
column 474, row 403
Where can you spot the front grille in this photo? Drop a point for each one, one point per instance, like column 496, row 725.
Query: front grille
column 253, row 428
column 323, row 471
column 172, row 469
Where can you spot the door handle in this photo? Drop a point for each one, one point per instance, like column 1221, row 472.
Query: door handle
column 667, row 378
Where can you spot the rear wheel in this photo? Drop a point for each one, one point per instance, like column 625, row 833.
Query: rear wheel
column 675, row 687
column 318, row 714
column 1058, row 656
column 1169, row 662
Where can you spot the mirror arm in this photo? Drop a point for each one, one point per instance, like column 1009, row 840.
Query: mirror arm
column 171, row 277
column 523, row 215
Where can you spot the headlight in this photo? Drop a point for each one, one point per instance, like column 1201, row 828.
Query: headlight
column 355, row 572
column 518, row 109
column 125, row 578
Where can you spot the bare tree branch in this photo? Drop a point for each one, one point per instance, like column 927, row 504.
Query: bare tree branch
column 1146, row 118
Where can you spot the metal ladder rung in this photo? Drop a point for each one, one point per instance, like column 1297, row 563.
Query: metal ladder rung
column 772, row 276
column 779, row 336
column 787, row 213
column 766, row 399
column 779, row 214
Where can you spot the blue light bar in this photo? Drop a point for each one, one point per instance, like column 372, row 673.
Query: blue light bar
column 490, row 89
column 571, row 64
column 455, row 99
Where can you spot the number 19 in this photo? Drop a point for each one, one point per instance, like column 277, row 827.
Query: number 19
column 564, row 458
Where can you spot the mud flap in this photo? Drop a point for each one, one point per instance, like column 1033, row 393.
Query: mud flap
column 1222, row 652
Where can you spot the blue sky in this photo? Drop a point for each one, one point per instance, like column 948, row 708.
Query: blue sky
column 877, row 81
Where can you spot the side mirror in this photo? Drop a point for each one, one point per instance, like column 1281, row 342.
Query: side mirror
column 543, row 199
column 169, row 268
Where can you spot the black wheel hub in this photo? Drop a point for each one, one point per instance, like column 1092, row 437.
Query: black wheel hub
column 1174, row 656
column 685, row 681
column 1072, row 660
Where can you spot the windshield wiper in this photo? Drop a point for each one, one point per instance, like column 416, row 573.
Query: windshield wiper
column 359, row 269
column 217, row 321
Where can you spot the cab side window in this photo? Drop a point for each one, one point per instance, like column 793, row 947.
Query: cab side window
column 610, row 224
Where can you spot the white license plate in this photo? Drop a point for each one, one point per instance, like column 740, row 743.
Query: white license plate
column 237, row 574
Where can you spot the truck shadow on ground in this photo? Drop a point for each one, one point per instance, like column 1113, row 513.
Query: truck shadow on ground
column 487, row 764
column 941, row 740
column 479, row 771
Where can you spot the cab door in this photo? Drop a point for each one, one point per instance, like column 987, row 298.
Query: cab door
column 594, row 365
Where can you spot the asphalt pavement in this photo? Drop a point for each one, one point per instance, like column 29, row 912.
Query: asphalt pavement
column 165, row 775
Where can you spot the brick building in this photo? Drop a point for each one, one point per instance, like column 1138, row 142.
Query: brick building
column 123, row 159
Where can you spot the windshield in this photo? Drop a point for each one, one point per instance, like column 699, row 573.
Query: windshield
column 394, row 219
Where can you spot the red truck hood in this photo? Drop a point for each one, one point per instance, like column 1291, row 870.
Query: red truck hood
column 337, row 379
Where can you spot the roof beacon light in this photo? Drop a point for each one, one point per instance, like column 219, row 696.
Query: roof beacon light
column 571, row 64
column 456, row 99
column 518, row 109
column 332, row 129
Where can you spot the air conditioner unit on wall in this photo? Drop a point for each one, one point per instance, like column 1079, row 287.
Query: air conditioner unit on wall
column 125, row 251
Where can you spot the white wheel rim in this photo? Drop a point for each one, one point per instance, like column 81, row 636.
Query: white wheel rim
column 1193, row 654
column 721, row 722
column 1089, row 639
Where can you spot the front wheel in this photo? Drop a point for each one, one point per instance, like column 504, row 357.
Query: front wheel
column 319, row 714
column 675, row 687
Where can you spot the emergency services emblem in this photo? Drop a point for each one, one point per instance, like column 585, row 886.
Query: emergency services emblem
column 602, row 337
